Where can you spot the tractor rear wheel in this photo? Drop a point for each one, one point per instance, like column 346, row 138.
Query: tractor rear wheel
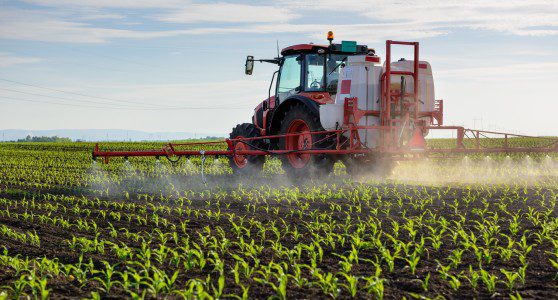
column 299, row 119
column 244, row 163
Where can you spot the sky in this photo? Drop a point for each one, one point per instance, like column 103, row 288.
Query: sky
column 178, row 65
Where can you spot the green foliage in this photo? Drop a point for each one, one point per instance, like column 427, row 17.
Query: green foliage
column 45, row 139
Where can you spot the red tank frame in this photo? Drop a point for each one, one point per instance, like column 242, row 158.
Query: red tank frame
column 393, row 123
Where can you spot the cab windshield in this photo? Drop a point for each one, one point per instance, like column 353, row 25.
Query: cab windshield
column 289, row 78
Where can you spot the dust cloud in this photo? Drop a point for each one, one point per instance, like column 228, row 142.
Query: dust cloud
column 478, row 170
column 175, row 180
column 162, row 178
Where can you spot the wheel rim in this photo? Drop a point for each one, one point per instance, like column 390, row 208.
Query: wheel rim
column 298, row 142
column 240, row 160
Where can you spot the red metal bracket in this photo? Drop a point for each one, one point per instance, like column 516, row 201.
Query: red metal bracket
column 352, row 114
column 350, row 109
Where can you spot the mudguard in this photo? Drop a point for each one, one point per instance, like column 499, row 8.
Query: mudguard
column 278, row 113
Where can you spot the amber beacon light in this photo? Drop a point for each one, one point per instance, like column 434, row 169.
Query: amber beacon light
column 330, row 36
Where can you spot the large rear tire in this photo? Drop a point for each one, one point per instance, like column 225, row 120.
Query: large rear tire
column 299, row 119
column 241, row 163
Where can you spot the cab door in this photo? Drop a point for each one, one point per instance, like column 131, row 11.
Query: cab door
column 289, row 77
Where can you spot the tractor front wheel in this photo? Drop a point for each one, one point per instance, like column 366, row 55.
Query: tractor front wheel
column 245, row 163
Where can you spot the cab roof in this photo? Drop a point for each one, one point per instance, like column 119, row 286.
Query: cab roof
column 302, row 48
column 336, row 48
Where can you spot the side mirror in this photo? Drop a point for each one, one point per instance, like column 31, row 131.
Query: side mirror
column 249, row 66
column 264, row 105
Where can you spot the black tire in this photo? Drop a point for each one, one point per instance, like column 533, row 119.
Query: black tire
column 255, row 163
column 318, row 165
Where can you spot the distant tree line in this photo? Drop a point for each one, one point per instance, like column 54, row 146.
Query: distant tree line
column 44, row 139
column 55, row 138
column 212, row 138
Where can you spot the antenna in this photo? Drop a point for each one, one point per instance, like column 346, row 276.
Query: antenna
column 278, row 54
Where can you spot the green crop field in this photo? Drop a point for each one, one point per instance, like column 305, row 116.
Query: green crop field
column 466, row 227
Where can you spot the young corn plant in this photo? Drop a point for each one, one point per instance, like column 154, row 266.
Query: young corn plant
column 327, row 282
column 218, row 290
column 106, row 280
column 473, row 277
column 352, row 284
column 413, row 261
column 489, row 281
column 554, row 263
column 375, row 286
column 425, row 282
column 510, row 278
column 454, row 282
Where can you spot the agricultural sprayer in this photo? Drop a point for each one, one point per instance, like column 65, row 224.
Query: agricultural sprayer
column 339, row 102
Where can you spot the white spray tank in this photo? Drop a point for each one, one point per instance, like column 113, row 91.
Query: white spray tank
column 426, row 82
column 359, row 78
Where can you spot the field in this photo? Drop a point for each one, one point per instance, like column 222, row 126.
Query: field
column 472, row 227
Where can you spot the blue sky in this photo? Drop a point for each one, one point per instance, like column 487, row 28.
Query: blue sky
column 175, row 65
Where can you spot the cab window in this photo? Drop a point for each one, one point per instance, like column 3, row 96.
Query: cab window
column 314, row 72
column 289, row 78
column 333, row 68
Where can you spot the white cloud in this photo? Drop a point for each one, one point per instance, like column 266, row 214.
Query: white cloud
column 181, row 11
column 510, row 16
column 57, row 26
column 133, row 4
column 223, row 12
column 37, row 26
column 363, row 32
column 66, row 20
column 101, row 16
column 7, row 60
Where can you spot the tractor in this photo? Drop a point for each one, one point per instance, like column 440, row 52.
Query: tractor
column 306, row 91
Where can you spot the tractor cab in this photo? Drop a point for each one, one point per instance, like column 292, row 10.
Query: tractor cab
column 308, row 73
column 310, row 70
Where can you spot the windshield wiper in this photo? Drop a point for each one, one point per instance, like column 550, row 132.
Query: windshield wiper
column 337, row 66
